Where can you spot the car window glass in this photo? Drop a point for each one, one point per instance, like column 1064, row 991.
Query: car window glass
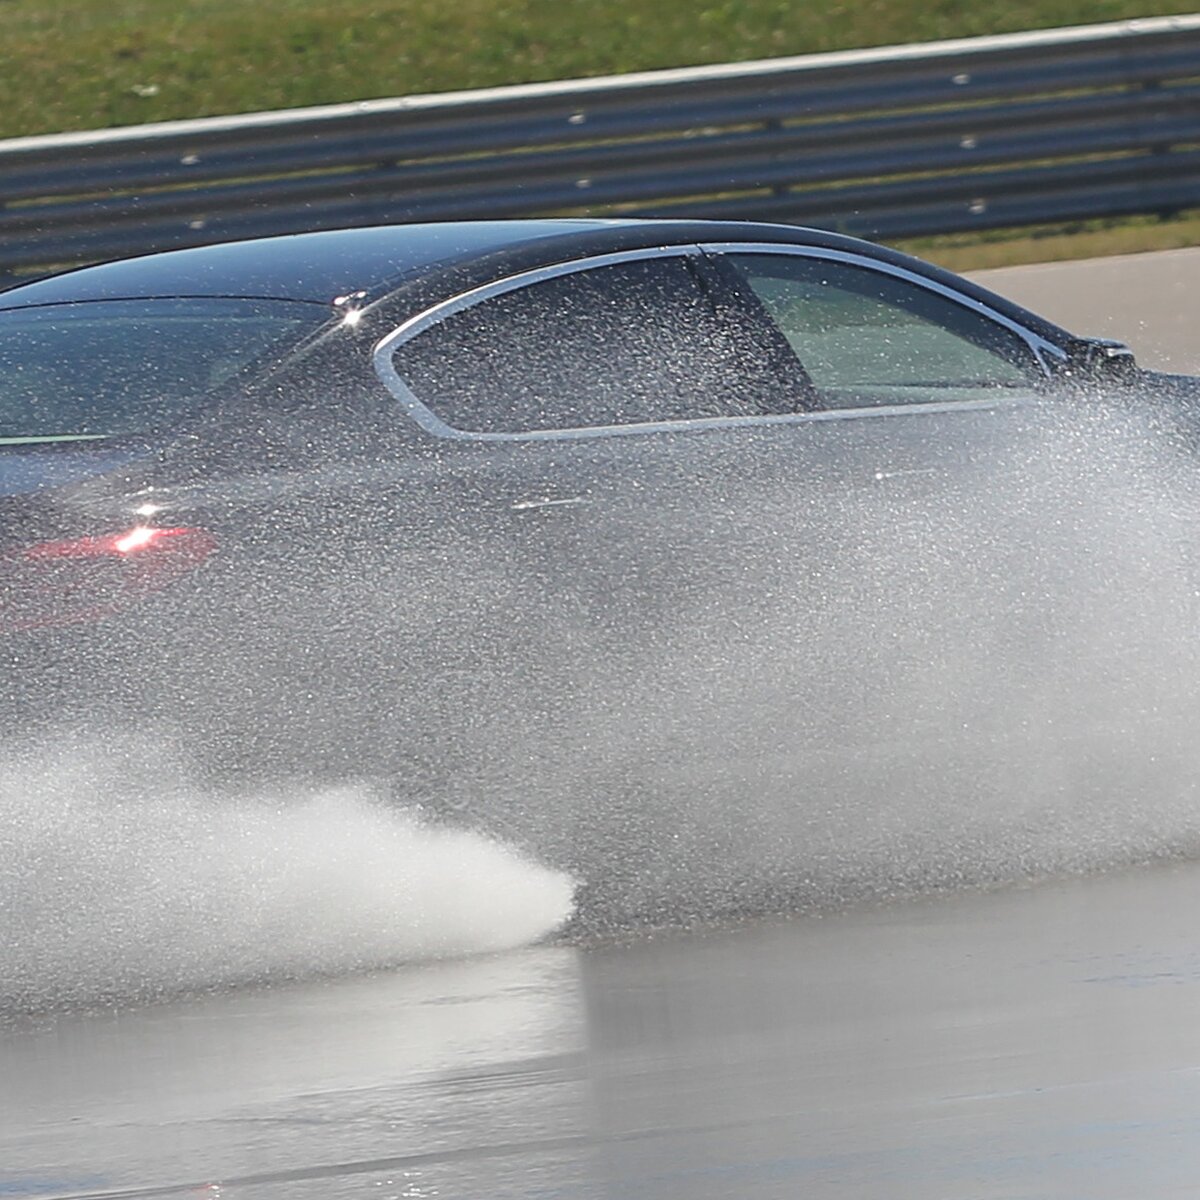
column 626, row 343
column 865, row 337
column 112, row 367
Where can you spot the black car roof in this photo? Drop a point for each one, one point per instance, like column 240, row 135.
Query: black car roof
column 322, row 266
column 318, row 266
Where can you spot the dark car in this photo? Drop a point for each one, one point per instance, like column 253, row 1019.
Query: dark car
column 392, row 502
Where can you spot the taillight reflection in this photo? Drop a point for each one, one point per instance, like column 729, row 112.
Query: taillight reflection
column 63, row 582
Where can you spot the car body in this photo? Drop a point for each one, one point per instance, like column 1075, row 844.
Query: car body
column 385, row 502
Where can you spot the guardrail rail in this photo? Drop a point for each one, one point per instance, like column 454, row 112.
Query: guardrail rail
column 969, row 134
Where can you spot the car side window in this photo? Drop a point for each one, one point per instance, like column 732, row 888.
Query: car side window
column 866, row 337
column 626, row 343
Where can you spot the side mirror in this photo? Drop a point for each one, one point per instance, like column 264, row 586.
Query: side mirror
column 1098, row 361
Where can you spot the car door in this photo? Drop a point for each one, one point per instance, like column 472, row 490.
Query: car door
column 554, row 400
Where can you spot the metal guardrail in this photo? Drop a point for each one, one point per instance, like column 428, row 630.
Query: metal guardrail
column 949, row 136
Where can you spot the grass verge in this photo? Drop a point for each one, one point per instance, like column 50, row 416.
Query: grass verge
column 85, row 64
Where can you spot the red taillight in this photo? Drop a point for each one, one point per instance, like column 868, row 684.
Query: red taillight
column 84, row 579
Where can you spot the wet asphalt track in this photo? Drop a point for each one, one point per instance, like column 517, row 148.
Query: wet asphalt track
column 1034, row 1042
column 1040, row 1042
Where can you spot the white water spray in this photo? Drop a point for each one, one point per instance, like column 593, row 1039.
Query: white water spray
column 118, row 879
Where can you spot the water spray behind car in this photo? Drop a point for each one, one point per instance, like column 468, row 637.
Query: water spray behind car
column 999, row 688
column 365, row 685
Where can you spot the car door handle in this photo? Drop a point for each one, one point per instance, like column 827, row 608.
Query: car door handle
column 880, row 476
column 536, row 502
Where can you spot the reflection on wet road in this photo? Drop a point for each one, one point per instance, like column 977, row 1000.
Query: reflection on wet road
column 1034, row 1042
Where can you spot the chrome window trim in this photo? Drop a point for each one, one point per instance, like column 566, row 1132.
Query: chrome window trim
column 431, row 423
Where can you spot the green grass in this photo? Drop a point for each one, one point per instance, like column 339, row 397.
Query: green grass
column 85, row 64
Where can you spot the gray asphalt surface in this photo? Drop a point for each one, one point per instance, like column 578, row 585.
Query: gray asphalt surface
column 1039, row 1041
column 1146, row 300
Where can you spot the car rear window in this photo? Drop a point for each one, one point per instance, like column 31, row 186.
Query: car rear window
column 114, row 367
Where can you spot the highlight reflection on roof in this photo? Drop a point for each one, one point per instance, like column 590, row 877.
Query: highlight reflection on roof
column 304, row 266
